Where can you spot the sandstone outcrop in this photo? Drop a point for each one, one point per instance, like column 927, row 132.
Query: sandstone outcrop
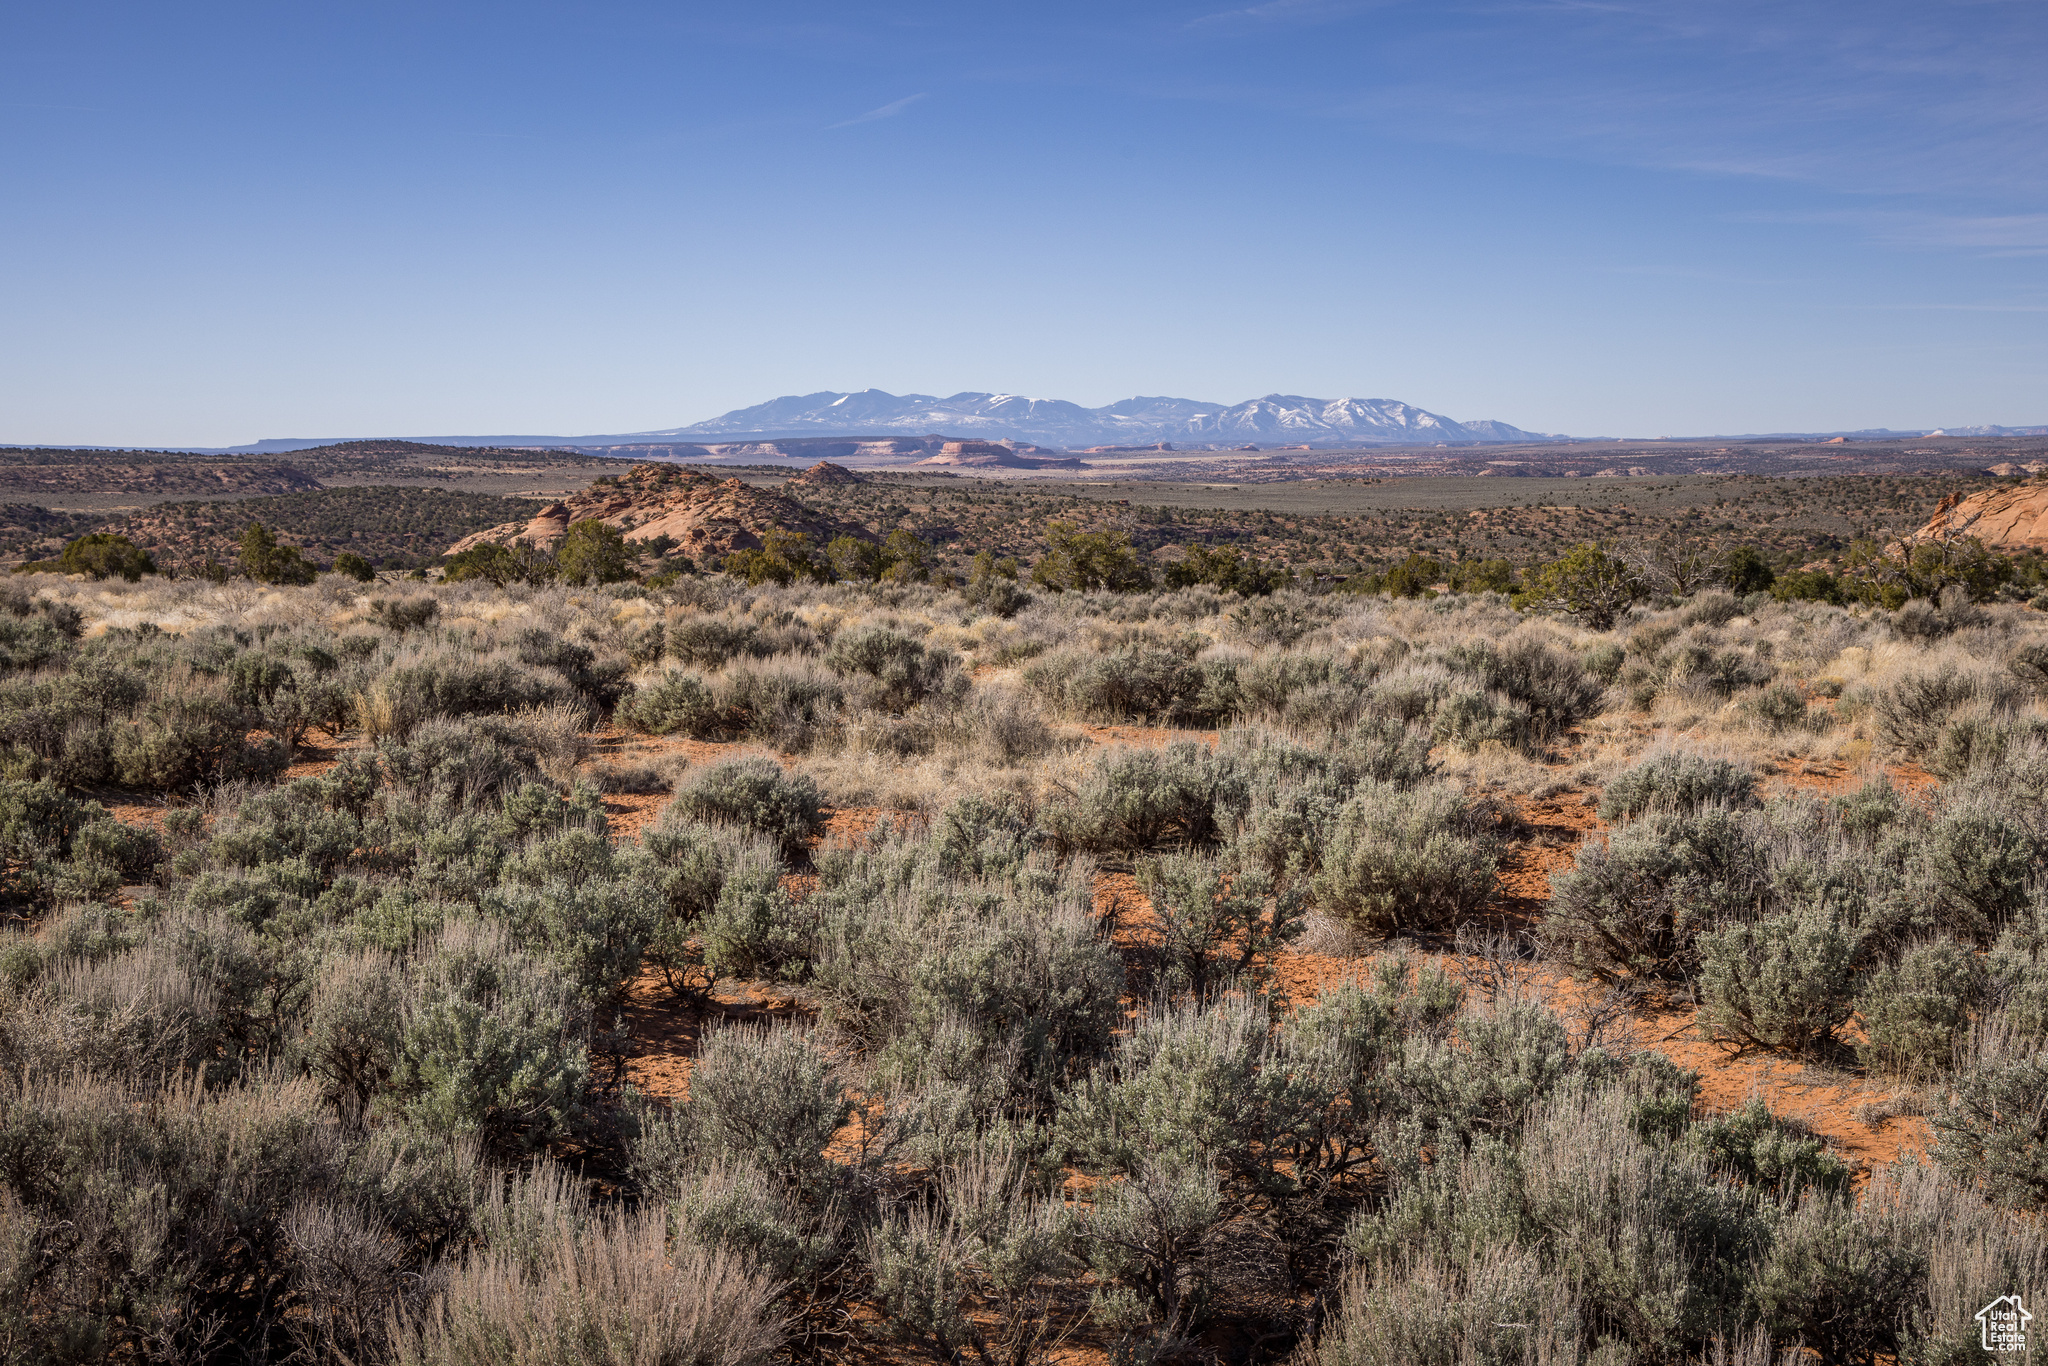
column 826, row 474
column 700, row 514
column 2005, row 519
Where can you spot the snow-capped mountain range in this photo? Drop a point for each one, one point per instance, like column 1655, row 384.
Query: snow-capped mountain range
column 1276, row 418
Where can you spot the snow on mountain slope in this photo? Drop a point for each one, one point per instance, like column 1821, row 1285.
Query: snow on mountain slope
column 1275, row 418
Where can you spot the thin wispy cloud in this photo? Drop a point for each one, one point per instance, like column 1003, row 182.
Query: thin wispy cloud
column 1962, row 308
column 2023, row 234
column 1289, row 11
column 887, row 111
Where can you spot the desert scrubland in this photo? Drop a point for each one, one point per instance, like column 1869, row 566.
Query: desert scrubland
column 438, row 972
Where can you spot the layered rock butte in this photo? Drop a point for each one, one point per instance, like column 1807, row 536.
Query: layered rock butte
column 2003, row 519
column 998, row 455
column 702, row 515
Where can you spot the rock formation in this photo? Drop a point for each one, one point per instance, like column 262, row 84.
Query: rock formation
column 702, row 515
column 2005, row 519
column 996, row 455
column 827, row 474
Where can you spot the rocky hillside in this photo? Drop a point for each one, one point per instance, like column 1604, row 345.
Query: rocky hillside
column 57, row 472
column 392, row 526
column 2008, row 519
column 702, row 515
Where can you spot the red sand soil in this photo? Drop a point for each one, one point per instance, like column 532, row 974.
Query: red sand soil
column 1826, row 778
column 1147, row 737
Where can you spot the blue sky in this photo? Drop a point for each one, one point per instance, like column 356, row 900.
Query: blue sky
column 1625, row 217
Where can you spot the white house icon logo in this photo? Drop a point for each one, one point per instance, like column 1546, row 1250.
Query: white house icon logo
column 2004, row 1322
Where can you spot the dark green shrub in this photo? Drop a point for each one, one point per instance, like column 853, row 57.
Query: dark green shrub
column 678, row 701
column 784, row 558
column 490, row 562
column 1404, row 860
column 399, row 615
column 1835, row 1281
column 350, row 565
column 1747, row 571
column 766, row 1098
column 1916, row 1012
column 709, row 642
column 1783, row 982
column 103, row 554
column 1086, row 561
column 1551, row 686
column 265, row 561
column 1993, row 1130
column 1809, row 585
column 1981, row 861
column 756, row 794
column 1483, row 576
column 1182, row 796
column 594, row 552
column 1678, row 782
column 1138, row 683
column 1216, row 921
column 903, row 672
column 1768, row 1154
column 1780, row 707
column 1226, row 570
column 1470, row 718
column 1909, row 715
column 493, row 1046
column 992, row 586
column 1588, row 585
column 1634, row 903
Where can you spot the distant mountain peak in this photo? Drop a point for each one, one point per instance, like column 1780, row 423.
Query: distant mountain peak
column 1278, row 418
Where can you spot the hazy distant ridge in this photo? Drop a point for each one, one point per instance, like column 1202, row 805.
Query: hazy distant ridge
column 1276, row 418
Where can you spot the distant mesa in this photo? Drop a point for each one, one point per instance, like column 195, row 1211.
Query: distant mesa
column 2014, row 518
column 1118, row 450
column 701, row 515
column 998, row 455
column 1835, row 441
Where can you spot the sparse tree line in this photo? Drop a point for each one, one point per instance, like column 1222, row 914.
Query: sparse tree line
column 1593, row 584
